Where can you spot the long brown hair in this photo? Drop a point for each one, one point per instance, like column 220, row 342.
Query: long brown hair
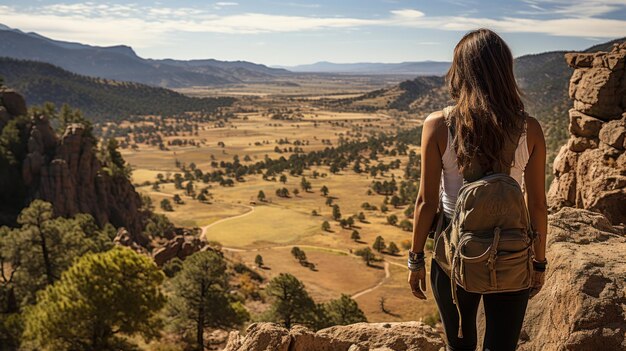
column 489, row 109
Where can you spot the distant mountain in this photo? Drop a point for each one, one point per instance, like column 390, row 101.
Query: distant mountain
column 421, row 68
column 99, row 99
column 420, row 94
column 122, row 63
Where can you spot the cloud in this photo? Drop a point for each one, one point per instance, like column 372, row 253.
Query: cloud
column 142, row 26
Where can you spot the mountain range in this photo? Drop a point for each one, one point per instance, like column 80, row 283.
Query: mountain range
column 419, row 68
column 122, row 63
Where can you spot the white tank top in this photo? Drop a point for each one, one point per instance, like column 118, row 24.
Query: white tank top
column 452, row 180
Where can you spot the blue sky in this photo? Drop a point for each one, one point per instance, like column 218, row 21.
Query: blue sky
column 292, row 32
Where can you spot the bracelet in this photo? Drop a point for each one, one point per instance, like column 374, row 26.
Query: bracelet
column 416, row 256
column 415, row 266
column 540, row 266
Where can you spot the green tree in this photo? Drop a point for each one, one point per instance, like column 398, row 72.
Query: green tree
column 406, row 225
column 261, row 196
column 336, row 212
column 283, row 178
column 291, row 303
column 395, row 201
column 178, row 200
column 392, row 219
column 367, row 255
column 379, row 244
column 329, row 201
column 166, row 205
column 326, row 226
column 43, row 247
column 98, row 300
column 298, row 254
column 393, row 248
column 361, row 217
column 324, row 190
column 355, row 235
column 344, row 311
column 258, row 260
column 200, row 297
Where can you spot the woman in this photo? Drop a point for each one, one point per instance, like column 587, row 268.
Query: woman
column 487, row 119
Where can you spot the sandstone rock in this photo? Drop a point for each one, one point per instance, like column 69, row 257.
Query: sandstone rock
column 600, row 96
column 260, row 337
column 582, row 125
column 590, row 171
column 565, row 161
column 405, row 336
column 578, row 144
column 180, row 246
column 582, row 305
column 562, row 191
column 579, row 60
column 613, row 133
column 409, row 336
column 13, row 102
column 601, row 186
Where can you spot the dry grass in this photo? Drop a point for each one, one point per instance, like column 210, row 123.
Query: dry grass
column 286, row 222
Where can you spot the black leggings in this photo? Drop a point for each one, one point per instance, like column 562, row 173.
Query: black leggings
column 504, row 314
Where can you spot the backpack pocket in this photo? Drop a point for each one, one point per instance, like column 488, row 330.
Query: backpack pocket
column 481, row 268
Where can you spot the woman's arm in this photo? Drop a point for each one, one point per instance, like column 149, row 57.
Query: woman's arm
column 427, row 201
column 534, row 177
column 428, row 197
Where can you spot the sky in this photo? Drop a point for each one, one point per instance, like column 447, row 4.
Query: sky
column 295, row 32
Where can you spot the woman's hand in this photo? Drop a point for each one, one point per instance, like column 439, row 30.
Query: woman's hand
column 417, row 282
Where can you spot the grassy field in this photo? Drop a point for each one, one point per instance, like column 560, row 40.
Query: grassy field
column 247, row 227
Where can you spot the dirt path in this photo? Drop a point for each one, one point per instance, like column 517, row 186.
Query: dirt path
column 251, row 208
column 380, row 283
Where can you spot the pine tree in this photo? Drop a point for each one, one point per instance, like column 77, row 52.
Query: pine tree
column 200, row 296
column 98, row 302
column 379, row 244
column 291, row 303
column 258, row 260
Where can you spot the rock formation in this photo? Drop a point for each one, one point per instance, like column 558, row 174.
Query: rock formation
column 590, row 170
column 406, row 336
column 181, row 246
column 66, row 172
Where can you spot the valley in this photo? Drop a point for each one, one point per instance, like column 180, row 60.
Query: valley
column 274, row 127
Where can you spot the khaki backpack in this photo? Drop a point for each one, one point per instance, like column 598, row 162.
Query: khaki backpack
column 488, row 245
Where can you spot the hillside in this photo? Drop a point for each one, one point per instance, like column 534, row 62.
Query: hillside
column 98, row 99
column 122, row 63
column 544, row 79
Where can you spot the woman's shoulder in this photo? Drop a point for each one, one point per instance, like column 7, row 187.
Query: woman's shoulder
column 436, row 120
column 533, row 127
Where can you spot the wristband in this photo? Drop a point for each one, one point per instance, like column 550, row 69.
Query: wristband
column 540, row 266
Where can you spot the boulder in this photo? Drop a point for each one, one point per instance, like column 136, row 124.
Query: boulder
column 597, row 93
column 409, row 336
column 578, row 144
column 582, row 305
column 260, row 337
column 13, row 102
column 404, row 336
column 582, row 125
column 613, row 133
column 601, row 186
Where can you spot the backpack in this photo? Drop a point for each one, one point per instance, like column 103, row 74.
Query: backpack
column 487, row 247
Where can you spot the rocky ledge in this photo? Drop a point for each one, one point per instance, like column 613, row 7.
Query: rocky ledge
column 406, row 336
